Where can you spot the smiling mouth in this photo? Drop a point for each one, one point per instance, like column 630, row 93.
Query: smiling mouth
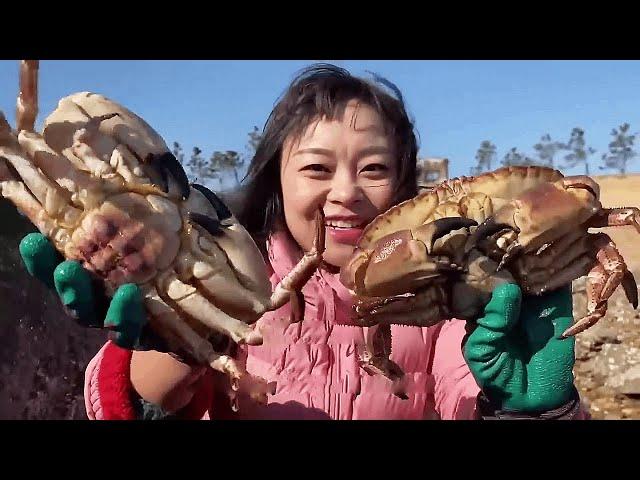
column 344, row 225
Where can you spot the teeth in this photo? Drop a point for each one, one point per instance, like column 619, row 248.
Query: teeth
column 342, row 224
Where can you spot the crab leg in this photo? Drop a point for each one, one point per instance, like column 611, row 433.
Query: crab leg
column 52, row 197
column 302, row 272
column 12, row 187
column 370, row 305
column 537, row 269
column 105, row 144
column 171, row 326
column 17, row 193
column 616, row 217
column 576, row 269
column 82, row 148
column 428, row 316
column 166, row 320
column 423, row 309
column 512, row 252
column 602, row 280
column 187, row 298
column 55, row 166
column 27, row 104
column 248, row 264
column 375, row 358
column 107, row 159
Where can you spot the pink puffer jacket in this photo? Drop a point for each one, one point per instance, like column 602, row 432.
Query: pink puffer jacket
column 315, row 364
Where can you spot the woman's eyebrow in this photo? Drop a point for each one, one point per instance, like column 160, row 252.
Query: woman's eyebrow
column 374, row 150
column 318, row 151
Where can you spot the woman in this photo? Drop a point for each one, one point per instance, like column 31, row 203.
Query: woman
column 348, row 146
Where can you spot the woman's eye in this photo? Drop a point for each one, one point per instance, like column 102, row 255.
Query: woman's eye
column 315, row 167
column 375, row 167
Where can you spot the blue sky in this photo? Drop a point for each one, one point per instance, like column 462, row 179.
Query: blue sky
column 456, row 104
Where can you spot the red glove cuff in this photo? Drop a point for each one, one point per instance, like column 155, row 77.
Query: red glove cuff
column 116, row 398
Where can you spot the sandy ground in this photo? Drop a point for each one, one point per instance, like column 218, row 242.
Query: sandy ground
column 608, row 355
column 623, row 192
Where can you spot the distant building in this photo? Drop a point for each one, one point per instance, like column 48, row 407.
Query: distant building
column 432, row 171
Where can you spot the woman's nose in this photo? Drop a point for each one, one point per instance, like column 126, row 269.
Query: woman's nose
column 344, row 190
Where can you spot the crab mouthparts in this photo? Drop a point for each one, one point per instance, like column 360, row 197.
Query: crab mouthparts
column 484, row 230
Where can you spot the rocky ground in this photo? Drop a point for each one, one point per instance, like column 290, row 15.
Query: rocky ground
column 43, row 353
column 608, row 359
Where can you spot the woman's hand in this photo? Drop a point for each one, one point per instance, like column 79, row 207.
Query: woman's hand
column 515, row 352
column 158, row 377
column 123, row 314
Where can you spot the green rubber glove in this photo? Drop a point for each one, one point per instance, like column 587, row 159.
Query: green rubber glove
column 125, row 315
column 515, row 352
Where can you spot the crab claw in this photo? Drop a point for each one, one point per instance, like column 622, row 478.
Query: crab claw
column 405, row 260
column 159, row 167
column 630, row 288
column 211, row 225
column 218, row 205
column 437, row 229
column 484, row 230
column 512, row 251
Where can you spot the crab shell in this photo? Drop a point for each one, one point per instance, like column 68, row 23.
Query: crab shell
column 532, row 229
column 549, row 211
column 101, row 184
column 145, row 223
column 542, row 237
column 400, row 231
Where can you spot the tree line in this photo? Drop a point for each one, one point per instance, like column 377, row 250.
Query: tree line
column 558, row 154
column 225, row 169
column 221, row 169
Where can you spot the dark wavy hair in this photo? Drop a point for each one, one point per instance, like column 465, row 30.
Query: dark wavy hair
column 321, row 90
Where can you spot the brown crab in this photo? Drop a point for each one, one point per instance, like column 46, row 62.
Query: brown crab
column 427, row 259
column 542, row 237
column 102, row 185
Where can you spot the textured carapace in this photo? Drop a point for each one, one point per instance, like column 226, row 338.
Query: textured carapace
column 441, row 253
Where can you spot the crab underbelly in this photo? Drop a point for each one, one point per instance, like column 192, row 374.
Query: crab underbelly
column 129, row 238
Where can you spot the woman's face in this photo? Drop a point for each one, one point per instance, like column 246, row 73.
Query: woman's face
column 348, row 167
